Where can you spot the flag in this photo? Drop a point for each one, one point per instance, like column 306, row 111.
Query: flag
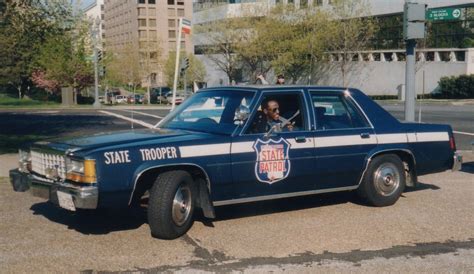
column 185, row 26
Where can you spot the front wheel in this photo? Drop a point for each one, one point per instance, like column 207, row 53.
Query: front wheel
column 384, row 181
column 171, row 205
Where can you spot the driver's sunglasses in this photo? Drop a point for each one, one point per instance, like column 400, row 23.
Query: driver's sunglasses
column 275, row 110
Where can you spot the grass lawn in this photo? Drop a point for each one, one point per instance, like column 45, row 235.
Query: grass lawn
column 15, row 103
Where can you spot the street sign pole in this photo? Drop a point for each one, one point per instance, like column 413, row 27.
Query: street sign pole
column 414, row 17
column 410, row 81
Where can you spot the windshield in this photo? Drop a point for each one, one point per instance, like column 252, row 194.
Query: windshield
column 208, row 111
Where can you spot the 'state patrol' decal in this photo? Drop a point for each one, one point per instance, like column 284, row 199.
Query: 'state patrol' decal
column 273, row 163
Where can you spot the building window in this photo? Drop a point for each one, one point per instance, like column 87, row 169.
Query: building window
column 141, row 11
column 151, row 11
column 142, row 34
column 303, row 3
column 171, row 23
column 171, row 34
column 171, row 12
column 141, row 1
column 151, row 2
column 183, row 44
column 142, row 22
column 170, row 2
column 181, row 3
column 172, row 45
column 152, row 22
column 319, row 2
column 152, row 35
column 180, row 12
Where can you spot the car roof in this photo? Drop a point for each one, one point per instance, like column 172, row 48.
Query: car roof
column 277, row 87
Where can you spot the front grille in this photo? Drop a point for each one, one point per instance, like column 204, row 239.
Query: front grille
column 43, row 163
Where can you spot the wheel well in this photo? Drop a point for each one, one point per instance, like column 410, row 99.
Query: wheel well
column 408, row 162
column 146, row 180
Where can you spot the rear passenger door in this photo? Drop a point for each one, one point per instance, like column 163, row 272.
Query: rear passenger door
column 343, row 138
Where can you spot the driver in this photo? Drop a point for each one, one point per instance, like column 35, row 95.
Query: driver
column 271, row 111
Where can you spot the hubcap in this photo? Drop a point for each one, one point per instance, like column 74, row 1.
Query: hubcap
column 386, row 179
column 181, row 205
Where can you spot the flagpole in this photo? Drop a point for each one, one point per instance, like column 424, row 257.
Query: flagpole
column 178, row 49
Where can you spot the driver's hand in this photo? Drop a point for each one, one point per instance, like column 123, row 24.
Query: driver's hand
column 290, row 126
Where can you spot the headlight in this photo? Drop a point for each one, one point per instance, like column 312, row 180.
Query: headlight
column 24, row 163
column 81, row 171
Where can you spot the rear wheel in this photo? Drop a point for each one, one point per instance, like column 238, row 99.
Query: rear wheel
column 171, row 204
column 384, row 181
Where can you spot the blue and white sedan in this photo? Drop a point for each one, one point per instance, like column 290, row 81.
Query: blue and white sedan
column 231, row 145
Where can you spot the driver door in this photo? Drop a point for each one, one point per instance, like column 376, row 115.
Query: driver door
column 279, row 163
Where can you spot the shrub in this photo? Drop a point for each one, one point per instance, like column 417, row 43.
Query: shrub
column 453, row 87
column 85, row 100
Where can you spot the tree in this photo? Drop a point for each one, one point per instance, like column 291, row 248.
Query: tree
column 220, row 39
column 25, row 26
column 351, row 31
column 196, row 71
column 123, row 66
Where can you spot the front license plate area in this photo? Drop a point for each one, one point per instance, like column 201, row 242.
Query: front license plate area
column 65, row 201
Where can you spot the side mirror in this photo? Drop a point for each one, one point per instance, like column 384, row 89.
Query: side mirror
column 242, row 113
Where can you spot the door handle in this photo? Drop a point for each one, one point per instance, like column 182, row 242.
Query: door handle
column 300, row 139
column 365, row 135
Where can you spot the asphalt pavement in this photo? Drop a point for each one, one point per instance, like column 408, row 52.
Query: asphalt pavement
column 430, row 229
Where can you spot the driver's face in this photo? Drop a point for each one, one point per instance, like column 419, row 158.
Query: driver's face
column 273, row 110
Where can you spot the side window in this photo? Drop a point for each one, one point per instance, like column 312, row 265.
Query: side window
column 284, row 112
column 336, row 112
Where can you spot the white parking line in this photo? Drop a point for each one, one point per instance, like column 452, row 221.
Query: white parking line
column 128, row 119
column 142, row 113
column 464, row 133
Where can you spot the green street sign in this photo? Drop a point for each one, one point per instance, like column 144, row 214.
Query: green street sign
column 443, row 14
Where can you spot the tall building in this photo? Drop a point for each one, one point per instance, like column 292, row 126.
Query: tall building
column 137, row 22
column 95, row 11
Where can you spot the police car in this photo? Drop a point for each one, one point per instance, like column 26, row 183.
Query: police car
column 231, row 145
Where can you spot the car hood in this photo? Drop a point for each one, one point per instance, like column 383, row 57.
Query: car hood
column 110, row 139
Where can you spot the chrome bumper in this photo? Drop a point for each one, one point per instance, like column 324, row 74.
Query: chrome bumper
column 84, row 197
column 457, row 162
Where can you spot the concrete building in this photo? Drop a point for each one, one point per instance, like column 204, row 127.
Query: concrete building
column 380, row 71
column 140, row 22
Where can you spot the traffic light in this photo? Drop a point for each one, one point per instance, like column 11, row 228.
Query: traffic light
column 99, row 55
column 183, row 65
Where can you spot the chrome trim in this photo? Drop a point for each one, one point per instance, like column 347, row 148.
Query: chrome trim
column 168, row 165
column 457, row 164
column 381, row 151
column 280, row 196
column 360, row 109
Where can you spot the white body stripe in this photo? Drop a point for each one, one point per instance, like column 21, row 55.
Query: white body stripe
column 242, row 147
column 296, row 145
column 349, row 140
column 392, row 138
column 432, row 136
column 318, row 142
column 204, row 150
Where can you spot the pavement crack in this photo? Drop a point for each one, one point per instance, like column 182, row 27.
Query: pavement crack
column 204, row 254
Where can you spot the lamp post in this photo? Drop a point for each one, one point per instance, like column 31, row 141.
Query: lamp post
column 95, row 39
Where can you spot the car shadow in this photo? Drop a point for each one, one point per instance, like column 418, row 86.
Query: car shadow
column 281, row 205
column 94, row 222
column 98, row 222
column 422, row 186
column 468, row 167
